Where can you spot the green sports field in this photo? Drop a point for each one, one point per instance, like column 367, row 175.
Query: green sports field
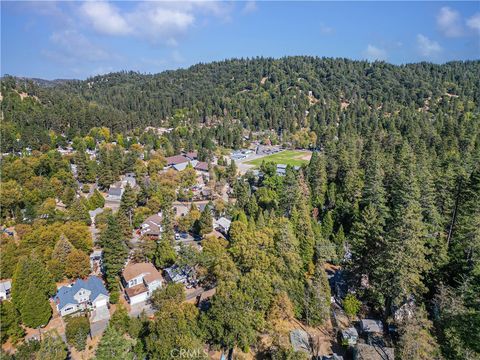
column 287, row 157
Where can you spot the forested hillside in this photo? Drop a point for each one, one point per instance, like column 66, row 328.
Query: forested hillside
column 285, row 95
column 391, row 194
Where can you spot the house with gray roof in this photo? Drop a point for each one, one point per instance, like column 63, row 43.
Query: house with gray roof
column 5, row 289
column 115, row 192
column 222, row 225
column 81, row 295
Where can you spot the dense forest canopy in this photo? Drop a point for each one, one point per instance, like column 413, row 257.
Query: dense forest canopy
column 284, row 94
column 391, row 194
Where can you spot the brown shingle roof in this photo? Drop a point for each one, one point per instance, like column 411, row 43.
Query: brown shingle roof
column 191, row 155
column 202, row 166
column 177, row 159
column 135, row 290
column 133, row 270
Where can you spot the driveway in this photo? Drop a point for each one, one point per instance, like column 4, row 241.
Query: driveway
column 97, row 328
column 136, row 309
column 99, row 314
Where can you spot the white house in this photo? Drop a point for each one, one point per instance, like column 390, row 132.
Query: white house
column 140, row 281
column 81, row 295
column 5, row 288
column 222, row 224
column 152, row 226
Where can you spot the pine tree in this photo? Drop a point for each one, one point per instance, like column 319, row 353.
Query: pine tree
column 340, row 243
column 303, row 231
column 317, row 298
column 114, row 345
column 404, row 261
column 79, row 212
column 56, row 265
column 232, row 172
column 52, row 347
column 62, row 249
column 204, row 225
column 31, row 288
column 327, row 225
column 128, row 202
column 291, row 194
column 76, row 332
column 96, row 200
column 317, row 179
column 367, row 244
column 373, row 192
column 10, row 325
column 77, row 264
column 164, row 253
column 416, row 340
column 115, row 251
column 82, row 166
column 465, row 246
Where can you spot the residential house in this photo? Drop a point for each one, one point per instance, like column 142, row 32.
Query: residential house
column 222, row 224
column 152, row 226
column 140, row 281
column 201, row 166
column 177, row 159
column 5, row 289
column 372, row 352
column 182, row 166
column 115, row 192
column 180, row 209
column 130, row 179
column 81, row 295
column 179, row 275
column 192, row 155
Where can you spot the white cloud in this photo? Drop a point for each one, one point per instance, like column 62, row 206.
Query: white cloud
column 449, row 22
column 325, row 29
column 105, row 18
column 250, row 6
column 427, row 47
column 373, row 53
column 158, row 21
column 474, row 22
column 73, row 45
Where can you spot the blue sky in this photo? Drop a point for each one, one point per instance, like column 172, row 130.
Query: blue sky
column 78, row 39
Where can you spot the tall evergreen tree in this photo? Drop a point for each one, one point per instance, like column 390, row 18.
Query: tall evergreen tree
column 317, row 179
column 204, row 225
column 115, row 251
column 31, row 287
column 52, row 347
column 114, row 345
column 128, row 203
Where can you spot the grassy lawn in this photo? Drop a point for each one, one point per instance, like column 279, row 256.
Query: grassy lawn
column 288, row 157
